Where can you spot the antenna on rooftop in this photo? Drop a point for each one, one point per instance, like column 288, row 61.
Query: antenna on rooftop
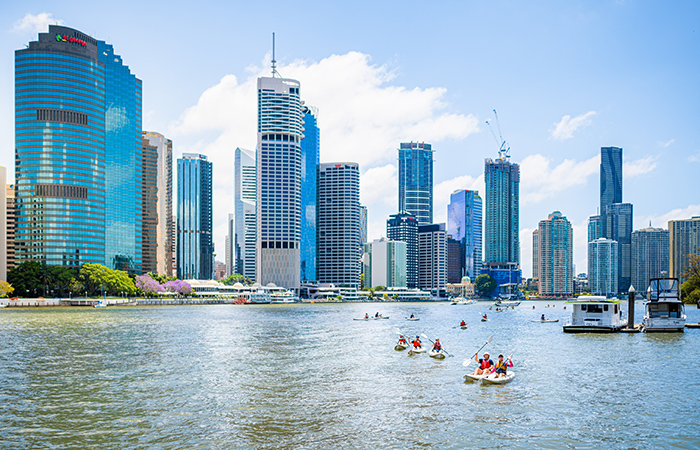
column 274, row 62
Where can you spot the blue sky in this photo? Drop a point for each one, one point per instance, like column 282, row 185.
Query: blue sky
column 565, row 77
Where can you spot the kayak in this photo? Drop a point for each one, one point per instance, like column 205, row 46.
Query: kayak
column 416, row 350
column 464, row 327
column 491, row 379
column 372, row 318
column 412, row 318
column 472, row 377
column 484, row 320
column 400, row 347
column 436, row 355
column 545, row 321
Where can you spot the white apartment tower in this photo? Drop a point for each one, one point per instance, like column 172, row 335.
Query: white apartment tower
column 278, row 200
column 243, row 229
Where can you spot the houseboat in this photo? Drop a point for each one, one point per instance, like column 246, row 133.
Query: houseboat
column 595, row 314
column 664, row 310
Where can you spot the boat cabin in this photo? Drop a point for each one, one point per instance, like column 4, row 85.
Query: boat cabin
column 664, row 310
column 595, row 314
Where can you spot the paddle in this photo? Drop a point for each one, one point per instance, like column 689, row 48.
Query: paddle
column 469, row 361
column 443, row 350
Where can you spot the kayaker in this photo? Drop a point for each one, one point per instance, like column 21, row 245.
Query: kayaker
column 462, row 323
column 542, row 318
column 402, row 340
column 416, row 342
column 485, row 364
column 501, row 367
column 485, row 316
column 412, row 316
column 533, row 306
column 366, row 316
column 437, row 346
column 377, row 314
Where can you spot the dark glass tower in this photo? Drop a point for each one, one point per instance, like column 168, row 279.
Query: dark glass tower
column 618, row 227
column 416, row 181
column 310, row 159
column 404, row 227
column 195, row 250
column 464, row 224
column 78, row 153
column 610, row 176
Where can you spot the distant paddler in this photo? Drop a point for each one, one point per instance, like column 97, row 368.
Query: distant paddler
column 463, row 323
column 417, row 343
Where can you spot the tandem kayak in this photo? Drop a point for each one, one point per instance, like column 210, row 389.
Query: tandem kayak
column 545, row 321
column 372, row 318
column 436, row 355
column 491, row 379
column 472, row 377
column 400, row 347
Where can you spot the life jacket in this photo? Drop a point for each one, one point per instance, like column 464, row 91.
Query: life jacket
column 437, row 347
column 416, row 343
column 486, row 363
column 462, row 324
column 501, row 365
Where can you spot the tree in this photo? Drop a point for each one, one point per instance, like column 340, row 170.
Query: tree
column 99, row 279
column 690, row 290
column 5, row 289
column 237, row 278
column 148, row 285
column 34, row 278
column 178, row 287
column 161, row 279
column 484, row 285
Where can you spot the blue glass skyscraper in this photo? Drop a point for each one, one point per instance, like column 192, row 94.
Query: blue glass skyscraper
column 78, row 153
column 310, row 159
column 416, row 181
column 610, row 176
column 618, row 227
column 464, row 224
column 195, row 249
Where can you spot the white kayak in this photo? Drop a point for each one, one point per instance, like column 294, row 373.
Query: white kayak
column 472, row 377
column 400, row 347
column 491, row 379
column 484, row 320
column 416, row 350
column 463, row 327
column 436, row 355
column 372, row 318
column 545, row 321
column 412, row 318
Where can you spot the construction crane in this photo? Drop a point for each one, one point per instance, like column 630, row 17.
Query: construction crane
column 503, row 149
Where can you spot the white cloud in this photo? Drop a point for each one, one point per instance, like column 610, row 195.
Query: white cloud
column 379, row 186
column 38, row 23
column 566, row 126
column 443, row 190
column 695, row 157
column 526, row 251
column 539, row 181
column 667, row 143
column 638, row 167
column 661, row 220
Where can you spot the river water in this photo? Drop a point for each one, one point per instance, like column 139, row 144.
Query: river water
column 308, row 376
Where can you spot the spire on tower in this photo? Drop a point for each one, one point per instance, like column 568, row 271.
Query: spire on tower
column 274, row 63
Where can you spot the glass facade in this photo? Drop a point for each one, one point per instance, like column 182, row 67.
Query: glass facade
column 501, row 234
column 432, row 258
column 404, row 227
column 555, row 259
column 610, row 176
column 650, row 256
column 77, row 112
column 416, row 180
column 245, row 190
column 310, row 159
column 195, row 250
column 595, row 228
column 618, row 227
column 464, row 223
column 602, row 267
column 685, row 241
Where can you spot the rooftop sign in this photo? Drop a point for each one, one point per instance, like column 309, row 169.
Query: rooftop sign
column 72, row 40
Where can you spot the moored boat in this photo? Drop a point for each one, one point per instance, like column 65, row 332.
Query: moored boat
column 664, row 310
column 507, row 303
column 594, row 314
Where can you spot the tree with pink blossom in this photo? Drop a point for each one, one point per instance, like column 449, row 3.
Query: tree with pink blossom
column 178, row 287
column 148, row 285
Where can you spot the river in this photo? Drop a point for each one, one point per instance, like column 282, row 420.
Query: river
column 308, row 376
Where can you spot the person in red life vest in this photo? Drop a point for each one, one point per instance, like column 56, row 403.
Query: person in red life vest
column 485, row 364
column 437, row 346
column 402, row 340
column 485, row 316
column 416, row 342
column 366, row 316
column 462, row 323
column 501, row 367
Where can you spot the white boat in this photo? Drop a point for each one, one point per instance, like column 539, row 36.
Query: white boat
column 2, row 305
column 412, row 318
column 259, row 297
column 416, row 350
column 437, row 355
column 462, row 301
column 400, row 347
column 491, row 378
column 594, row 314
column 100, row 304
column 664, row 310
column 282, row 297
column 507, row 303
column 472, row 377
column 545, row 321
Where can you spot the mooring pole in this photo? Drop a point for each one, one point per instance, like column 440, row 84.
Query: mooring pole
column 630, row 309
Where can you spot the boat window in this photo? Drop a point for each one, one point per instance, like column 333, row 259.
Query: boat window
column 595, row 308
column 605, row 307
column 615, row 310
column 583, row 307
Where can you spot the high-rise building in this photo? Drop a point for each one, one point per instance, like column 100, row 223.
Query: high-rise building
column 432, row 258
column 384, row 263
column 339, row 223
column 618, row 227
column 227, row 262
column 610, row 176
column 149, row 209
column 195, row 249
column 78, row 153
column 404, row 227
column 244, row 232
column 278, row 203
column 502, row 243
column 363, row 225
column 464, row 221
column 536, row 258
column 310, row 159
column 3, row 227
column 219, row 270
column 685, row 240
column 165, row 228
column 602, row 267
column 10, row 214
column 555, row 259
column 650, row 256
column 596, row 228
column 454, row 260
column 416, row 180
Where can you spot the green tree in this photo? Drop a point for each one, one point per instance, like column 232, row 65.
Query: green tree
column 97, row 279
column 690, row 290
column 33, row 278
column 237, row 278
column 484, row 285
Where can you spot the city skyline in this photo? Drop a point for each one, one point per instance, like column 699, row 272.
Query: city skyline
column 559, row 162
